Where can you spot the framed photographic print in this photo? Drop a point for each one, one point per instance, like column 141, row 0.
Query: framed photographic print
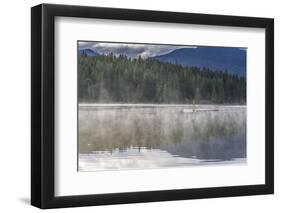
column 140, row 106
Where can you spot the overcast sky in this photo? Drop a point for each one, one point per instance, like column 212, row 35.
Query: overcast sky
column 131, row 50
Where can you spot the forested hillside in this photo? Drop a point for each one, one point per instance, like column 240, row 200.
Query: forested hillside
column 222, row 58
column 111, row 79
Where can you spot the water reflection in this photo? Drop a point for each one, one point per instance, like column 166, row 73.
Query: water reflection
column 153, row 136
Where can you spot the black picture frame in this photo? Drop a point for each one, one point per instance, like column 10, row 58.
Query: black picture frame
column 43, row 105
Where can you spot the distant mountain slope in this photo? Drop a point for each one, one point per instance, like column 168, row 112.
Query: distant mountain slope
column 87, row 52
column 216, row 58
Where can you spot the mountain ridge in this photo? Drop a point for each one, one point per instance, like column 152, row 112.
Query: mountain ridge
column 232, row 60
column 88, row 52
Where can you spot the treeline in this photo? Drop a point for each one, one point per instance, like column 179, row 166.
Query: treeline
column 104, row 79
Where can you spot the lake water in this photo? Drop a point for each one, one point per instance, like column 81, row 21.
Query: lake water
column 142, row 136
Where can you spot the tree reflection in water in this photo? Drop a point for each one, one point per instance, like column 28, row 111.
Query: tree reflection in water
column 211, row 134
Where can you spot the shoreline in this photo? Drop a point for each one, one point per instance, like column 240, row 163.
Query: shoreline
column 158, row 105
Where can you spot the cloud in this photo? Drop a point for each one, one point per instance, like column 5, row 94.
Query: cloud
column 130, row 50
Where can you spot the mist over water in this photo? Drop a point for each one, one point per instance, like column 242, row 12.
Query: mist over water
column 140, row 136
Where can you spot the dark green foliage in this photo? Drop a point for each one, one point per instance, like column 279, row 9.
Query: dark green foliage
column 104, row 79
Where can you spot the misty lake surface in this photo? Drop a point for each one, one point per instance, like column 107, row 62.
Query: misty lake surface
column 142, row 136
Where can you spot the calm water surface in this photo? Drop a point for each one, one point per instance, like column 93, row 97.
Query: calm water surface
column 113, row 137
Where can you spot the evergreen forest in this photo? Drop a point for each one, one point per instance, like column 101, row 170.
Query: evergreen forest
column 120, row 79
